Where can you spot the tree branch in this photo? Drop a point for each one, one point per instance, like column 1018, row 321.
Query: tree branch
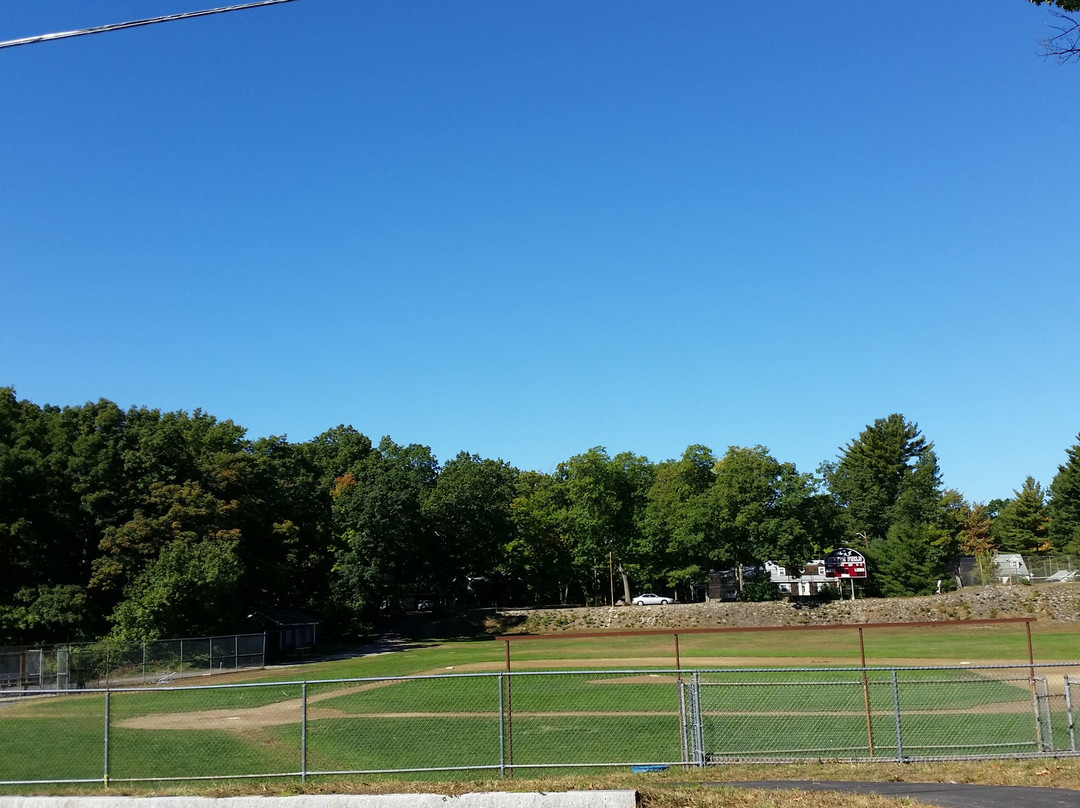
column 1065, row 44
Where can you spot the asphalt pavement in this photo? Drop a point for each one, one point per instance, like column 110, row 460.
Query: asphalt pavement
column 947, row 795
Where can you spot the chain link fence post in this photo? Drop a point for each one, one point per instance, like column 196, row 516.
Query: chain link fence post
column 303, row 732
column 502, row 728
column 107, row 720
column 1070, row 723
column 695, row 717
column 896, row 715
column 1042, row 707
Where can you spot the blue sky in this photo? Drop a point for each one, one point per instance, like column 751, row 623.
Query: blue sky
column 524, row 229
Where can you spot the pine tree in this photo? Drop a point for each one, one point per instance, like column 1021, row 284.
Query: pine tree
column 1064, row 506
column 1022, row 524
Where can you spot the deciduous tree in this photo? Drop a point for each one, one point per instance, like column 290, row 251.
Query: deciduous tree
column 381, row 545
column 1064, row 44
column 756, row 503
column 468, row 509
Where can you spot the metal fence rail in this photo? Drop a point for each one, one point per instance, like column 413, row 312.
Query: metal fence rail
column 529, row 721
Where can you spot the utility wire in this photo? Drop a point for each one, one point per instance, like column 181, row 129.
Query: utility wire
column 116, row 26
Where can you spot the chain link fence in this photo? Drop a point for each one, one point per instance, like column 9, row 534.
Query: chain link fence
column 1014, row 568
column 1053, row 568
column 103, row 664
column 529, row 722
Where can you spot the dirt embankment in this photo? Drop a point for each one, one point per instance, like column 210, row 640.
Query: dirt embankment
column 1044, row 602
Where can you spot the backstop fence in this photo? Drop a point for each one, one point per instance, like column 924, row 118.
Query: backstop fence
column 530, row 722
column 102, row 664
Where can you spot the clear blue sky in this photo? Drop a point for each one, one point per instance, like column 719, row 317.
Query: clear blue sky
column 523, row 229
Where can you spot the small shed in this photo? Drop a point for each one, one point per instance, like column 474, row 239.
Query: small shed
column 289, row 632
column 724, row 584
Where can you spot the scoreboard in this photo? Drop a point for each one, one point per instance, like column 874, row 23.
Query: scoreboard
column 845, row 563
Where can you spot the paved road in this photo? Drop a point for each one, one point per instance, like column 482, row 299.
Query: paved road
column 948, row 795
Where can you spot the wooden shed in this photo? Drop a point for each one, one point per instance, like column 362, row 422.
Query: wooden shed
column 289, row 632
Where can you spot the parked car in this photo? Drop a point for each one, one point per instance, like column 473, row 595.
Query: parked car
column 649, row 599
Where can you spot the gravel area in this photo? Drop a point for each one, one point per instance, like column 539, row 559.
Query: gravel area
column 1058, row 602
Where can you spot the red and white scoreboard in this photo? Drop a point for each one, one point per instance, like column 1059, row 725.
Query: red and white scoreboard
column 845, row 563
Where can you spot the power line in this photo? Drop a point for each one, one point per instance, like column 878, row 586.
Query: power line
column 116, row 26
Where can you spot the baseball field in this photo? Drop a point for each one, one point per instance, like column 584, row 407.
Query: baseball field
column 441, row 710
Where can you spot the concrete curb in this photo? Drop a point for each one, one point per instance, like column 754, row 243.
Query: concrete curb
column 491, row 799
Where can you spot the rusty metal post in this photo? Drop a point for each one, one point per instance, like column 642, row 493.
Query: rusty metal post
column 1031, row 654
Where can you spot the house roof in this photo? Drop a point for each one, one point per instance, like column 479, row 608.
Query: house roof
column 286, row 617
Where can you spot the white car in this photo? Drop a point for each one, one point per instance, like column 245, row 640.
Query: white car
column 649, row 599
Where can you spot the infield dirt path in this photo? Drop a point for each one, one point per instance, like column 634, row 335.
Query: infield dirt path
column 289, row 711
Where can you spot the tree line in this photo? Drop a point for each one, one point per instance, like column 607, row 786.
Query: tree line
column 139, row 523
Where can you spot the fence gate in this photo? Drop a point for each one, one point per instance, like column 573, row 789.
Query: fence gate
column 693, row 744
column 63, row 669
column 33, row 667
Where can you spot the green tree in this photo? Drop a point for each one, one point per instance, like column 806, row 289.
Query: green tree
column 889, row 485
column 286, row 519
column 191, row 587
column 382, row 548
column 175, row 563
column 1064, row 508
column 909, row 561
column 538, row 564
column 47, row 534
column 1067, row 5
column 976, row 540
column 887, row 475
column 679, row 531
column 336, row 451
column 920, row 544
column 758, row 505
column 1022, row 524
column 46, row 614
column 468, row 509
column 605, row 506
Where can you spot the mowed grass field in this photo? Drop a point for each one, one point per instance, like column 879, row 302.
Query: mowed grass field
column 452, row 719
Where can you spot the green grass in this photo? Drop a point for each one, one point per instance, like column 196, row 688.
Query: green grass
column 831, row 690
column 951, row 642
column 130, row 703
column 562, row 692
column 557, row 719
column 138, row 753
column 846, row 736
column 386, row 743
column 554, row 739
column 52, row 748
